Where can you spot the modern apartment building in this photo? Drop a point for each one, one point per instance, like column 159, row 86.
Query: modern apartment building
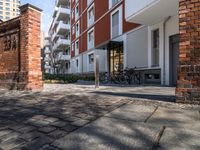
column 59, row 42
column 9, row 9
column 98, row 28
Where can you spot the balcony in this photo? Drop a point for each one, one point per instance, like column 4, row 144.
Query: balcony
column 47, row 59
column 150, row 12
column 63, row 28
column 63, row 13
column 65, row 57
column 63, row 2
column 47, row 66
column 61, row 44
column 62, row 57
column 47, row 41
column 55, row 36
column 55, row 11
column 47, row 50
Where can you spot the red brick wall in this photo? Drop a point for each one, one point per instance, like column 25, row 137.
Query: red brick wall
column 188, row 86
column 23, row 68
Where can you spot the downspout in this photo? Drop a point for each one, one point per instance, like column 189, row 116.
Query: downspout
column 81, row 38
column 164, row 49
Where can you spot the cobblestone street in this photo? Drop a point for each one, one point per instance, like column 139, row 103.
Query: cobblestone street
column 80, row 117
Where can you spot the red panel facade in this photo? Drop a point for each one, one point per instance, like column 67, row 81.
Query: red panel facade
column 102, row 23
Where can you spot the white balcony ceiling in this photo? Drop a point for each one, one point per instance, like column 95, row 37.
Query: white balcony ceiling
column 63, row 14
column 62, row 2
column 149, row 12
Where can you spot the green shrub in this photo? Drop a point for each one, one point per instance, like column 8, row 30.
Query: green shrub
column 67, row 78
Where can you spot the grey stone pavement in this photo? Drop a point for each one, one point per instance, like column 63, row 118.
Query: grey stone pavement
column 78, row 117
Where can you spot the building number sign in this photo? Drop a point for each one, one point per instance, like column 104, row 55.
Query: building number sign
column 9, row 42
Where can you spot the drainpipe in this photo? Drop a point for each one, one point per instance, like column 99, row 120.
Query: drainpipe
column 164, row 49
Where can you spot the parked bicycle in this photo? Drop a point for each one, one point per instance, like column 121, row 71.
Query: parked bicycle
column 128, row 76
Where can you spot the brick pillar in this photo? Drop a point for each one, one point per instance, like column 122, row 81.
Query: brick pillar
column 30, row 46
column 188, row 86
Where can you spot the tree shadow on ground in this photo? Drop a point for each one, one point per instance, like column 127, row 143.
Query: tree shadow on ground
column 32, row 120
column 165, row 98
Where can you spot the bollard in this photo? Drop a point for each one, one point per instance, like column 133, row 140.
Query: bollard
column 96, row 71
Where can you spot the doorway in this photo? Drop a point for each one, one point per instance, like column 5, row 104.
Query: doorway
column 174, row 59
column 115, row 57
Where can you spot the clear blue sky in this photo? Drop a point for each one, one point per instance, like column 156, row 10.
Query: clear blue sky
column 47, row 6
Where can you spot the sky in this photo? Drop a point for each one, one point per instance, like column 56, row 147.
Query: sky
column 48, row 7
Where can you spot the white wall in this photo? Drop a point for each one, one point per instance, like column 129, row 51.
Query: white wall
column 171, row 28
column 103, row 60
column 136, row 49
column 83, row 61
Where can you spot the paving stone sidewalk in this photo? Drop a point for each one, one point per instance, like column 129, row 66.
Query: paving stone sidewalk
column 78, row 117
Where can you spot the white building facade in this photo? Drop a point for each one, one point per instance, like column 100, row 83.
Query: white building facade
column 154, row 46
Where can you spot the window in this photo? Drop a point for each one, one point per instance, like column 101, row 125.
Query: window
column 73, row 14
column 91, row 58
column 72, row 46
column 115, row 24
column 77, row 29
column 155, row 46
column 91, row 39
column 77, row 65
column 91, row 62
column 73, row 30
column 89, row 2
column 76, row 48
column 91, row 16
column 113, row 3
column 76, row 12
column 7, row 13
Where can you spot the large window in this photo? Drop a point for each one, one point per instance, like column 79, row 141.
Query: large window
column 115, row 24
column 91, row 62
column 76, row 48
column 76, row 12
column 90, row 16
column 155, row 48
column 77, row 29
column 90, row 39
column 89, row 2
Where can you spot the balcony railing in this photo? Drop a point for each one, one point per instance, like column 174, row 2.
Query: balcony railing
column 63, row 26
column 61, row 44
column 62, row 57
column 47, row 66
column 47, row 50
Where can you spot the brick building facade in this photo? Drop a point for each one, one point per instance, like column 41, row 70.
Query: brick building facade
column 20, row 56
column 188, row 87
